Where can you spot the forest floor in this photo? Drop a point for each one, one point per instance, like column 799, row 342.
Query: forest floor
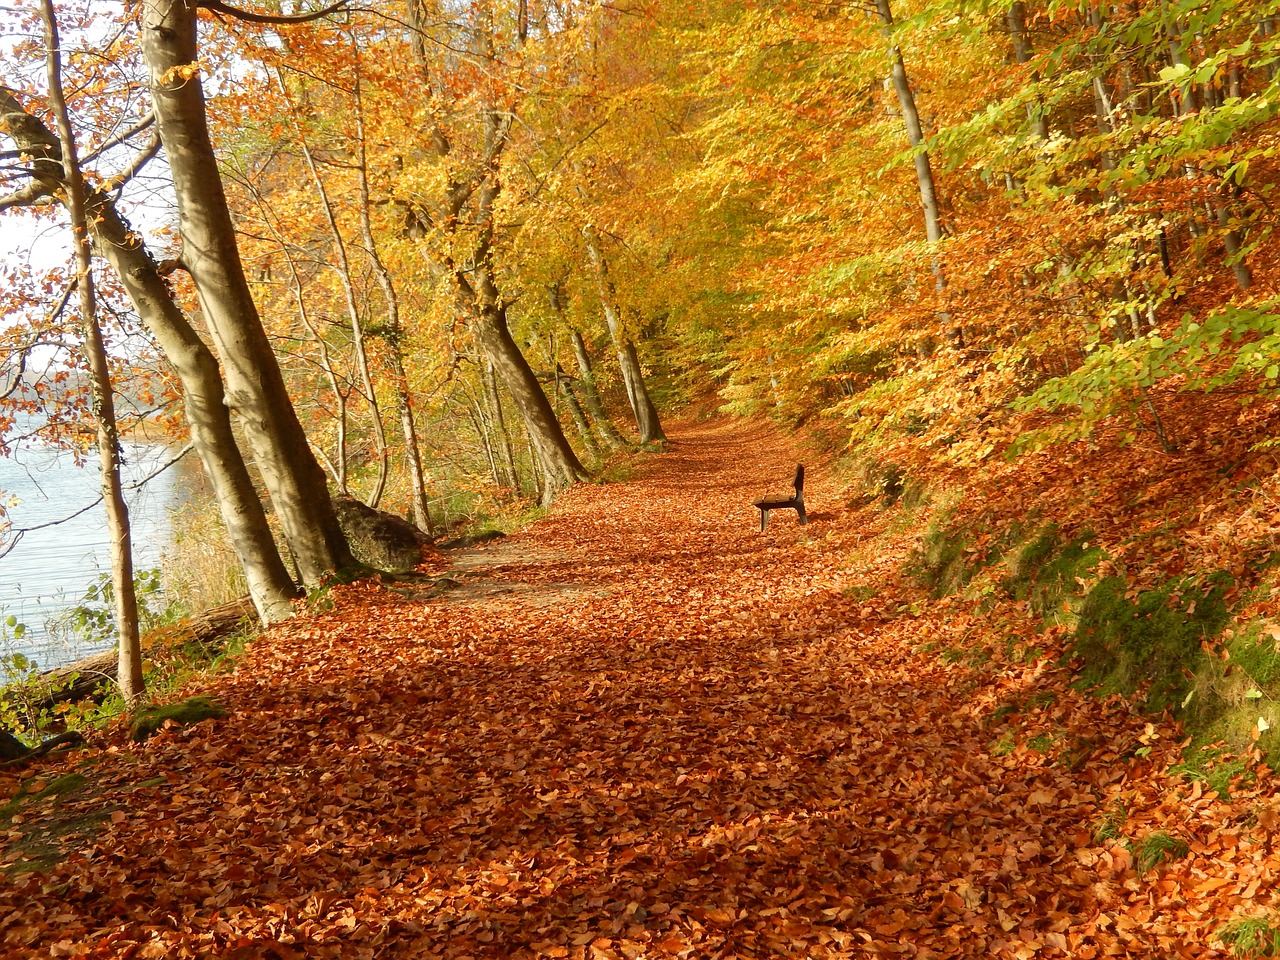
column 641, row 728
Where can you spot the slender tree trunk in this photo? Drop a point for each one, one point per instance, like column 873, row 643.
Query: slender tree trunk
column 608, row 432
column 577, row 413
column 1023, row 53
column 208, row 416
column 642, row 407
column 255, row 387
column 475, row 410
column 394, row 333
column 343, row 269
column 500, row 427
column 1221, row 208
column 337, row 467
column 920, row 156
column 129, row 670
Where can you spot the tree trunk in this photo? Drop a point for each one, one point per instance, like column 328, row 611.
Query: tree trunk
column 920, row 156
column 503, row 435
column 343, row 269
column 208, row 417
column 1221, row 207
column 591, row 395
column 559, row 463
column 255, row 387
column 577, row 413
column 915, row 133
column 393, row 335
column 475, row 410
column 129, row 671
column 1022, row 52
column 646, row 413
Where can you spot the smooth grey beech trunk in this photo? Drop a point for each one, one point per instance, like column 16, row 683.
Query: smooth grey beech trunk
column 642, row 407
column 591, row 396
column 560, row 465
column 255, row 386
column 208, row 418
column 920, row 156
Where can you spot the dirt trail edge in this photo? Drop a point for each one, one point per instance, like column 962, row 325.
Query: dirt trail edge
column 648, row 730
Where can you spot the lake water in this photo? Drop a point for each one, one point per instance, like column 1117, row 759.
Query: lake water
column 50, row 569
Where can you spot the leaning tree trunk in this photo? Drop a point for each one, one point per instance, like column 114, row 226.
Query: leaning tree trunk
column 924, row 170
column 591, row 395
column 577, row 413
column 129, row 670
column 255, row 386
column 646, row 413
column 559, row 463
column 208, row 417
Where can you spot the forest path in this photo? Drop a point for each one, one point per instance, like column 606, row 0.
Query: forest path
column 672, row 737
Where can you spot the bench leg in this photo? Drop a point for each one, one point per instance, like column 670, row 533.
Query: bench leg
column 764, row 519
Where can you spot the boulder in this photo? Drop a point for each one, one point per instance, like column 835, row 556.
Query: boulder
column 379, row 539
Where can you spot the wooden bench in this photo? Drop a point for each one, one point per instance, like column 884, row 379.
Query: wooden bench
column 796, row 503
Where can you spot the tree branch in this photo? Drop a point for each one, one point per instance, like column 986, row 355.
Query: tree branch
column 250, row 17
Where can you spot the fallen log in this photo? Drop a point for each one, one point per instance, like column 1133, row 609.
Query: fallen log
column 81, row 679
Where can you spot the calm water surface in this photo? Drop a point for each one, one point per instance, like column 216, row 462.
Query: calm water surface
column 50, row 569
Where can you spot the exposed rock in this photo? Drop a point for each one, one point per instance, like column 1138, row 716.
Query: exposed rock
column 378, row 539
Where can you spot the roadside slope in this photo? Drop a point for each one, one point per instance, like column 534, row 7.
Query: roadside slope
column 667, row 735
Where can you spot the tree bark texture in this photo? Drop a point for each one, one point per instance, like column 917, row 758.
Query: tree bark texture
column 920, row 156
column 646, row 413
column 204, row 402
column 129, row 645
column 255, row 386
column 591, row 396
column 559, row 463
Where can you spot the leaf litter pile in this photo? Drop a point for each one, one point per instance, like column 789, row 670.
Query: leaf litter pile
column 660, row 734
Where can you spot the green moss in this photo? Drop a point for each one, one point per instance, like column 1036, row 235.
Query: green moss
column 1152, row 640
column 1057, row 577
column 150, row 719
column 1026, row 562
column 35, row 842
column 1218, row 771
column 1232, row 691
column 939, row 562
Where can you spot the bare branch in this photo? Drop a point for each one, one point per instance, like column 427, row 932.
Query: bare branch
column 120, row 138
column 250, row 17
column 29, row 195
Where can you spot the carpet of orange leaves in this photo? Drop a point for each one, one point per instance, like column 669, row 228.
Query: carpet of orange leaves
column 718, row 743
